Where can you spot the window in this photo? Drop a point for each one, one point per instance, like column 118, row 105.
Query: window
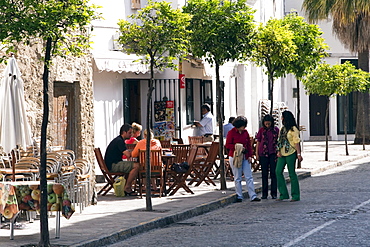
column 189, row 101
column 351, row 108
column 206, row 89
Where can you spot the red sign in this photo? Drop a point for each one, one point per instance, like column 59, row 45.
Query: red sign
column 169, row 104
column 182, row 80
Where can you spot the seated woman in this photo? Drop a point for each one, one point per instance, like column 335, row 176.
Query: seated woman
column 141, row 145
column 136, row 132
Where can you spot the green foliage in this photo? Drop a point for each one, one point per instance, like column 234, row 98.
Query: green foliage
column 157, row 32
column 311, row 47
column 275, row 48
column 340, row 79
column 65, row 22
column 221, row 30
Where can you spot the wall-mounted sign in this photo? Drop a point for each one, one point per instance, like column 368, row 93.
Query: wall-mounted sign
column 182, row 80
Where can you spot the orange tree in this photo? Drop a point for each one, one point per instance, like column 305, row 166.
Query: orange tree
column 63, row 28
column 221, row 31
column 329, row 80
column 158, row 33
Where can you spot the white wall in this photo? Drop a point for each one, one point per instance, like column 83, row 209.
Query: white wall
column 108, row 108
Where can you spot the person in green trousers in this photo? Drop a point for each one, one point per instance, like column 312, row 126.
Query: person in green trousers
column 289, row 149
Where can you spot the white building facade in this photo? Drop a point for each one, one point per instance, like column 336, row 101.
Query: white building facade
column 120, row 85
column 313, row 106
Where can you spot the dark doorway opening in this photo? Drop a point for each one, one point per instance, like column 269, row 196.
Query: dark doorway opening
column 317, row 115
column 132, row 103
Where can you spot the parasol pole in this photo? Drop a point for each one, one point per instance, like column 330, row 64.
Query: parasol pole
column 13, row 164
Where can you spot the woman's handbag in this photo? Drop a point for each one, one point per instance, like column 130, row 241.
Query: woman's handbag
column 180, row 167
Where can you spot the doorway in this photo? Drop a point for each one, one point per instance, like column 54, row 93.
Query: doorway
column 131, row 101
column 317, row 115
column 65, row 115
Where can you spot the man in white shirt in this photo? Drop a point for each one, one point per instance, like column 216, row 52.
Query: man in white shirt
column 206, row 126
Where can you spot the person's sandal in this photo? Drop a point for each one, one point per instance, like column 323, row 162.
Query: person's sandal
column 132, row 193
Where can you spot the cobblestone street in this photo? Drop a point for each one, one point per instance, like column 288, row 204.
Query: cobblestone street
column 334, row 211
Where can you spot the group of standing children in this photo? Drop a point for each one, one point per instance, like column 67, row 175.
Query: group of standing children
column 275, row 149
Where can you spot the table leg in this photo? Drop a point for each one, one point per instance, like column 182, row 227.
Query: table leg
column 57, row 227
column 12, row 229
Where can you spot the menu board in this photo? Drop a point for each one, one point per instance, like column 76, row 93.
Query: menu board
column 164, row 117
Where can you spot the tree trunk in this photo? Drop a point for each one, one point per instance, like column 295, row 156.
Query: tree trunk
column 345, row 122
column 44, row 227
column 220, row 114
column 327, row 129
column 298, row 116
column 148, row 195
column 362, row 120
column 271, row 92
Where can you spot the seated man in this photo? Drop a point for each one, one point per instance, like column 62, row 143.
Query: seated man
column 113, row 158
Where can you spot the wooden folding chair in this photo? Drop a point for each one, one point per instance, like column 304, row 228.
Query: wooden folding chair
column 195, row 139
column 255, row 164
column 203, row 167
column 181, row 152
column 109, row 176
column 178, row 140
column 228, row 170
column 165, row 143
column 179, row 179
column 156, row 170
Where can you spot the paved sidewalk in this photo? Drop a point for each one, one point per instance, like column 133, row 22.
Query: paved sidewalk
column 114, row 218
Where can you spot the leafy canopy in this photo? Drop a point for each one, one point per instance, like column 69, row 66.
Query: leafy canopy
column 221, row 30
column 340, row 79
column 275, row 48
column 65, row 22
column 157, row 32
column 311, row 47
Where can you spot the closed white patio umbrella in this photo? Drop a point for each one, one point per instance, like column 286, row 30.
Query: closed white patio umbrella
column 14, row 127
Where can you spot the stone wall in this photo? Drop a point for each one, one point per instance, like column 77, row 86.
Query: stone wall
column 67, row 70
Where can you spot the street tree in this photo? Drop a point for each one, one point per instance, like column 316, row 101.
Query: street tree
column 222, row 31
column 311, row 48
column 158, row 33
column 351, row 19
column 62, row 26
column 329, row 80
column 275, row 50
